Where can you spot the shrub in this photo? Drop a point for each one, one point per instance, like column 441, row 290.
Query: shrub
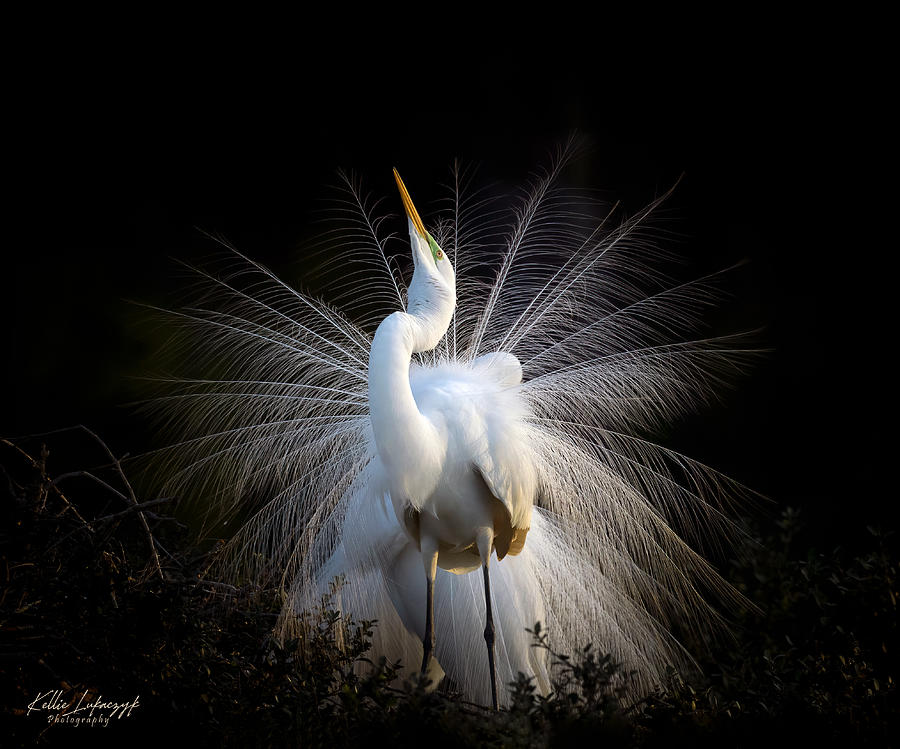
column 104, row 594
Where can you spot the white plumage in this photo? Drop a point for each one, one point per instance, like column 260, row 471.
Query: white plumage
column 530, row 395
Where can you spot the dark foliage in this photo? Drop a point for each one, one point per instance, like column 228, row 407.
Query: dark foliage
column 819, row 664
column 103, row 594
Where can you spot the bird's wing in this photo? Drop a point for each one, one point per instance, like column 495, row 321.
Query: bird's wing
column 506, row 465
column 512, row 508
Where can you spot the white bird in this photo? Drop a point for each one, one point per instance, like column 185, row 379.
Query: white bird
column 455, row 455
column 503, row 417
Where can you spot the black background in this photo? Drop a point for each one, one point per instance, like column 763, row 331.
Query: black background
column 122, row 148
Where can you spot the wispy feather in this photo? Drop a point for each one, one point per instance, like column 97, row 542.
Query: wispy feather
column 271, row 424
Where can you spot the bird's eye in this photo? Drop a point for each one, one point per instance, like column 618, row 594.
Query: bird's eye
column 439, row 255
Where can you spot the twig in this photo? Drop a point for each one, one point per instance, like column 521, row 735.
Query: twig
column 18, row 449
column 89, row 475
column 41, row 466
column 134, row 508
column 168, row 553
column 164, row 518
column 223, row 586
column 133, row 498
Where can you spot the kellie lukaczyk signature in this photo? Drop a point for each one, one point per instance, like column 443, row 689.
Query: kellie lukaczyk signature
column 79, row 710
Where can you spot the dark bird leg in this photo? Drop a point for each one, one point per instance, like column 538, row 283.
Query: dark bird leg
column 484, row 540
column 429, row 557
column 489, row 637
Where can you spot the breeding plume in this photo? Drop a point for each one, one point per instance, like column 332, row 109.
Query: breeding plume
column 472, row 452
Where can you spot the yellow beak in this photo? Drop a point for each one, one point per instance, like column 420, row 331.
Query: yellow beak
column 410, row 208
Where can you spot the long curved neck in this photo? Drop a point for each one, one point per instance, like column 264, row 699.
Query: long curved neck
column 405, row 438
column 396, row 419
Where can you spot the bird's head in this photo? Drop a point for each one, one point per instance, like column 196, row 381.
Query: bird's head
column 432, row 293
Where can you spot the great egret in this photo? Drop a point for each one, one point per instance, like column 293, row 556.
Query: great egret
column 502, row 414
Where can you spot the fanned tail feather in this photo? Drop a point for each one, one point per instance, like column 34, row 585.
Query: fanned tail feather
column 272, row 433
